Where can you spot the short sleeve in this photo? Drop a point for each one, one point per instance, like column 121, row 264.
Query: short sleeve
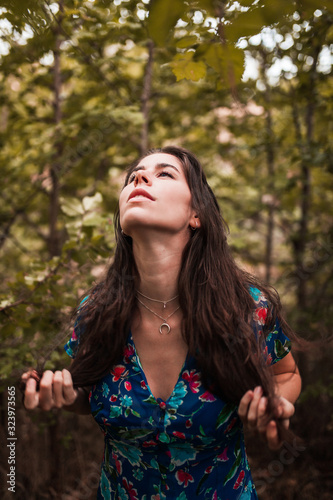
column 277, row 345
column 72, row 346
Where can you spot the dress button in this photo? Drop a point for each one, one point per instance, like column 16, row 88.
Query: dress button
column 162, row 405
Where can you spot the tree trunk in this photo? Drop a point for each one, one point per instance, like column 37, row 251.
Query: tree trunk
column 270, row 161
column 54, row 431
column 146, row 97
column 305, row 196
column 54, row 240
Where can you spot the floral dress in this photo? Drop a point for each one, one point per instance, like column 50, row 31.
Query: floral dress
column 190, row 446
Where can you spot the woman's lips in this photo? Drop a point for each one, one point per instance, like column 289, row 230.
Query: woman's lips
column 140, row 192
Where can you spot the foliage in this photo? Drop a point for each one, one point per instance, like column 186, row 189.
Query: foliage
column 72, row 119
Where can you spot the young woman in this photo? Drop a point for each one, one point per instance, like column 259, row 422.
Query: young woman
column 176, row 348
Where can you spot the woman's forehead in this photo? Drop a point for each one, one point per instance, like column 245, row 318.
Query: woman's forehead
column 150, row 161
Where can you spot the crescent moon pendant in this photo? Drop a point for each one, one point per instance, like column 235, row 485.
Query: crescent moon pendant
column 167, row 326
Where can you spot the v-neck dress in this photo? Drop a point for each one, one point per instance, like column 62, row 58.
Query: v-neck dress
column 190, row 446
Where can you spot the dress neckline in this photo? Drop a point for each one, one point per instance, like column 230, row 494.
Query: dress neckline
column 158, row 400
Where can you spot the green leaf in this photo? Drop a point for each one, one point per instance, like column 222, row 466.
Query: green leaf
column 71, row 206
column 134, row 433
column 96, row 412
column 202, row 480
column 92, row 202
column 163, row 15
column 226, row 60
column 187, row 41
column 184, row 67
column 224, row 414
column 151, row 400
column 281, row 349
column 94, row 220
column 233, row 469
column 245, row 24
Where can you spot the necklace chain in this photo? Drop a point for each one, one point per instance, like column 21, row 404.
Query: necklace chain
column 164, row 302
column 164, row 324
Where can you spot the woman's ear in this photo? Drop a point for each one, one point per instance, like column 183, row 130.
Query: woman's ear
column 195, row 222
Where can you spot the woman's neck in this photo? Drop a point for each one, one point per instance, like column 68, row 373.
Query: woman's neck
column 158, row 264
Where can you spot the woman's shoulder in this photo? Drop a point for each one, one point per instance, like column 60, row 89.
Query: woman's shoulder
column 257, row 295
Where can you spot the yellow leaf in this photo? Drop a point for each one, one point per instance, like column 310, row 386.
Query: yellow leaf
column 184, row 67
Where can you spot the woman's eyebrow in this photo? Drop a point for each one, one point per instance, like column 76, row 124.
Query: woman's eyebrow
column 158, row 165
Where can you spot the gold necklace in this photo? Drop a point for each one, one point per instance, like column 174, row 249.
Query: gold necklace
column 164, row 324
column 164, row 302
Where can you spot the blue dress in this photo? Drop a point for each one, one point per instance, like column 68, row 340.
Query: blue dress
column 190, row 446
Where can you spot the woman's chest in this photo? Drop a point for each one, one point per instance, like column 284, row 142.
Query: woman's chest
column 126, row 408
column 161, row 363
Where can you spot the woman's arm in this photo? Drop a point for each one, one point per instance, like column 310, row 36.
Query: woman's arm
column 56, row 390
column 288, row 381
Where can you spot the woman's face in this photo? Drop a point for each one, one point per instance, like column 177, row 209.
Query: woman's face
column 156, row 197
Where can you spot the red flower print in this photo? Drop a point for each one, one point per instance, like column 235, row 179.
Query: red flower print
column 260, row 315
column 74, row 336
column 184, row 477
column 188, row 424
column 193, row 379
column 179, row 434
column 128, row 351
column 223, row 457
column 113, row 398
column 128, row 386
column 117, row 462
column 268, row 357
column 209, row 469
column 230, row 426
column 143, row 384
column 129, row 488
column 239, row 480
column 207, row 397
column 117, row 372
column 147, row 444
column 214, row 497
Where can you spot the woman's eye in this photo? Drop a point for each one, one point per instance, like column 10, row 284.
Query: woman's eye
column 167, row 174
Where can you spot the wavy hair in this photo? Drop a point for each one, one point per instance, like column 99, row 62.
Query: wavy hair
column 214, row 298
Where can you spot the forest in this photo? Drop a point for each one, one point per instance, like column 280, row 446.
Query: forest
column 85, row 88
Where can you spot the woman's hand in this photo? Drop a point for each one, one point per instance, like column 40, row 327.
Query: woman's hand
column 252, row 411
column 55, row 390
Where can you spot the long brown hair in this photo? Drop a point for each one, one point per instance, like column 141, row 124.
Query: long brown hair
column 214, row 297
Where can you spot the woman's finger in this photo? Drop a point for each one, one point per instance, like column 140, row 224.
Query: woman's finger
column 272, row 436
column 252, row 415
column 31, row 396
column 285, row 423
column 69, row 393
column 46, row 391
column 243, row 407
column 57, row 390
column 262, row 418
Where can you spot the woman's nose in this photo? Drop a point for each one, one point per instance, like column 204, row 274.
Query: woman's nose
column 142, row 177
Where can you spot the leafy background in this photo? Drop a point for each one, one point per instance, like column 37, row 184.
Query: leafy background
column 87, row 86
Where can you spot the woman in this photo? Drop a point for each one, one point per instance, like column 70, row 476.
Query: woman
column 176, row 347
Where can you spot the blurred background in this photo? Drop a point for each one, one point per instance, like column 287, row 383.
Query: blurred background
column 86, row 87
